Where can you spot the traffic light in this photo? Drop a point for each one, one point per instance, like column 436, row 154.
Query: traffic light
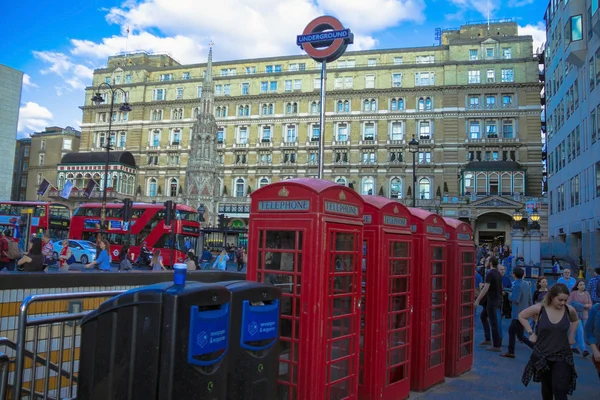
column 221, row 221
column 168, row 212
column 127, row 211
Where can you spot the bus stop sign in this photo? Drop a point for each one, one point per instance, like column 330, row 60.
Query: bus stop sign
column 325, row 39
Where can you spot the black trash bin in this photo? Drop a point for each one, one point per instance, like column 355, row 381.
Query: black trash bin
column 253, row 341
column 162, row 341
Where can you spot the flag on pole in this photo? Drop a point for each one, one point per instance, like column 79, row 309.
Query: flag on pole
column 89, row 188
column 66, row 192
column 44, row 185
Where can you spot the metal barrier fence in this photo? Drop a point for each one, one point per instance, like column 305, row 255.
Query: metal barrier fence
column 46, row 349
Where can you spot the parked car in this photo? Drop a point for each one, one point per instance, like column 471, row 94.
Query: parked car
column 83, row 250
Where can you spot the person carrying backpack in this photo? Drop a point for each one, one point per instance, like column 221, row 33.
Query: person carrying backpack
column 9, row 252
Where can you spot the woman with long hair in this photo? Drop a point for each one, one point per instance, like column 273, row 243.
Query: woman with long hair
column 581, row 301
column 103, row 259
column 157, row 261
column 551, row 362
column 541, row 288
column 221, row 261
column 33, row 261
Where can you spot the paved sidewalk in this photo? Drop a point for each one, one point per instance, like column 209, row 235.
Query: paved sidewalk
column 494, row 377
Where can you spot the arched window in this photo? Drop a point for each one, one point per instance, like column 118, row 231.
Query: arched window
column 340, row 106
column 196, row 112
column 400, row 104
column 396, row 188
column 79, row 181
column 481, row 184
column 265, row 109
column 239, row 187
column 295, row 108
column 122, row 139
column 60, row 181
column 469, row 183
column 493, row 188
column 341, row 181
column 152, row 187
column 368, row 186
column 131, row 186
column 425, row 188
column 346, row 106
column 421, row 104
column 506, row 184
column 173, row 187
column 271, row 108
column 314, row 107
column 428, row 103
column 519, row 183
column 367, row 105
column 263, row 182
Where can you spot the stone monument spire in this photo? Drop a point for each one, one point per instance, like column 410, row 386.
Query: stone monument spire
column 202, row 172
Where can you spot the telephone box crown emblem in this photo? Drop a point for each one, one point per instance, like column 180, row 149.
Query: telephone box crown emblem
column 435, row 220
column 284, row 192
column 396, row 210
column 342, row 195
column 464, row 228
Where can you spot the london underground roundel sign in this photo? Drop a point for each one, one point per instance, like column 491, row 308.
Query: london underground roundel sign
column 325, row 39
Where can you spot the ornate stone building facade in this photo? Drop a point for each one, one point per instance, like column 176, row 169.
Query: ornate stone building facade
column 472, row 102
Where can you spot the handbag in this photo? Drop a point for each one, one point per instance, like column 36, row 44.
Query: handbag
column 71, row 260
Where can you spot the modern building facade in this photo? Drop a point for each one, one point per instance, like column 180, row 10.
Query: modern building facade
column 21, row 169
column 47, row 149
column 11, row 82
column 572, row 88
column 473, row 103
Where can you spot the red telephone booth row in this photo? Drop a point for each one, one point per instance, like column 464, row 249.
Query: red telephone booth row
column 461, row 267
column 385, row 333
column 306, row 236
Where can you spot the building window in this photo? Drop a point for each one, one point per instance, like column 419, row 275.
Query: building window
column 424, row 189
column 468, row 183
column 227, row 89
column 269, row 69
column 264, row 159
column 177, row 113
column 397, row 80
column 368, row 186
column 267, row 109
column 26, row 152
column 346, row 64
column 317, row 83
column 396, row 104
column 474, row 76
column 369, row 157
column 273, row 86
column 157, row 115
column 179, row 93
column 313, row 157
column 371, row 62
column 159, row 94
column 291, row 108
column 290, row 136
column 315, row 133
column 342, row 133
column 240, row 185
column 297, row 67
column 245, row 89
column 424, row 130
column 263, row 182
column 424, row 78
column 598, row 179
column 369, row 105
column 155, row 138
column 507, row 129
column 128, row 78
column 241, row 158
column 491, row 129
column 122, row 139
column 398, row 60
column 242, row 137
column 289, row 158
column 489, row 52
column 315, row 107
column 507, row 53
column 573, row 29
column 424, row 104
column 165, row 77
column 152, row 187
column 507, row 100
column 346, row 82
column 220, row 135
column 397, row 130
column 176, row 137
column 341, row 157
column 218, row 90
column 341, row 181
column 221, row 111
column 243, row 110
column 473, row 55
column 508, row 75
column 369, row 131
column 491, row 76
column 424, row 157
column 396, row 156
column 343, row 106
column 250, row 70
column 474, row 130
column 266, row 134
column 41, row 160
column 474, row 102
column 490, row 101
column 23, row 181
column 43, row 145
column 370, row 81
column 395, row 188
column 67, row 143
column 25, row 166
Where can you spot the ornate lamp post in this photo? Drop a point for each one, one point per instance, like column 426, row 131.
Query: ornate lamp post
column 98, row 99
column 413, row 147
column 535, row 218
column 517, row 217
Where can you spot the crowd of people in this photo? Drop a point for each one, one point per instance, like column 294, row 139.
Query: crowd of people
column 556, row 321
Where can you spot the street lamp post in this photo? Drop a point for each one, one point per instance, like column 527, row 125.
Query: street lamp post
column 535, row 218
column 413, row 147
column 517, row 217
column 98, row 99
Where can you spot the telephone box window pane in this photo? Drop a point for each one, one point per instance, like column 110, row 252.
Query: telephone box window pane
column 437, row 298
column 300, row 238
column 340, row 390
column 466, row 311
column 399, row 249
column 438, row 268
column 399, row 267
column 285, row 346
column 466, row 337
column 397, row 338
column 397, row 356
column 468, row 270
column 438, row 253
column 435, row 359
column 465, row 350
column 436, row 283
column 467, row 257
column 466, row 297
column 397, row 321
column 344, row 242
column 343, row 263
column 436, row 314
column 341, row 306
column 286, row 310
column 342, row 284
column 299, row 267
column 466, row 323
column 398, row 303
column 342, row 327
column 467, row 284
column 436, row 329
column 296, row 324
column 399, row 285
column 436, row 344
column 397, row 374
column 340, row 369
column 281, row 240
column 283, row 281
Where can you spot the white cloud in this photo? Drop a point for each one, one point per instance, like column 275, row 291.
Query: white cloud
column 483, row 7
column 72, row 74
column 27, row 81
column 538, row 32
column 33, row 117
column 519, row 3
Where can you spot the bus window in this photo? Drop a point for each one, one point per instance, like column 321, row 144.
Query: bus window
column 87, row 212
column 59, row 211
column 39, row 211
column 137, row 212
column 113, row 212
column 187, row 216
column 182, row 242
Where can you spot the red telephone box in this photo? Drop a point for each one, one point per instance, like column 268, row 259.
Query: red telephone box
column 461, row 291
column 306, row 235
column 385, row 331
column 429, row 299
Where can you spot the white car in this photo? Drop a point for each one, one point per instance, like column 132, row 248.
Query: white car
column 83, row 250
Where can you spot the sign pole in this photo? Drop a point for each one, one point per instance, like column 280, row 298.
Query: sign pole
column 322, row 120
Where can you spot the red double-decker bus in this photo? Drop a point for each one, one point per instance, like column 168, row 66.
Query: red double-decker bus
column 147, row 225
column 50, row 218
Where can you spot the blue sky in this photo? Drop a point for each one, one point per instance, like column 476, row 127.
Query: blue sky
column 58, row 44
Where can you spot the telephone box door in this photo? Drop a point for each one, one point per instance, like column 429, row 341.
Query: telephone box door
column 464, row 355
column 342, row 308
column 399, row 311
column 435, row 308
column 280, row 263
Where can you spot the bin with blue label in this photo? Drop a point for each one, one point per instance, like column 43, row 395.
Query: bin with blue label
column 253, row 341
column 164, row 341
